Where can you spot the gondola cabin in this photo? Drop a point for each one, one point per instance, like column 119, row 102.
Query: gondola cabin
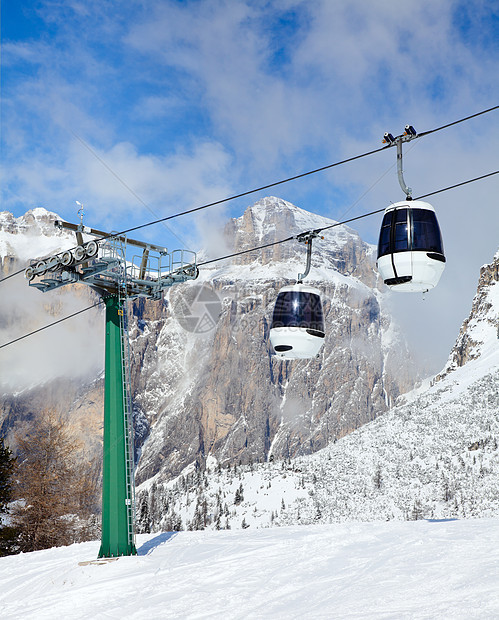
column 410, row 249
column 297, row 330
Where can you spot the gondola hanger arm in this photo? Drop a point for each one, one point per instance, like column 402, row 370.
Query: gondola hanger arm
column 307, row 238
column 409, row 134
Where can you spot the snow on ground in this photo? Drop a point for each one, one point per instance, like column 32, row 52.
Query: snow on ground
column 394, row 570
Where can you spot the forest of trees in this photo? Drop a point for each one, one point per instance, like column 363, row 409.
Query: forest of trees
column 49, row 492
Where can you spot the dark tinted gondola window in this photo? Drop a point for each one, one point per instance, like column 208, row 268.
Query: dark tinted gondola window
column 396, row 240
column 384, row 235
column 426, row 232
column 298, row 309
column 400, row 237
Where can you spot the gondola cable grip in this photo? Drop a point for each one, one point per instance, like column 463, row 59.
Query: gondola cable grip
column 307, row 238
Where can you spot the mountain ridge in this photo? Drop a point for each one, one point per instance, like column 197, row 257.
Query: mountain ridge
column 222, row 392
column 246, row 400
column 435, row 455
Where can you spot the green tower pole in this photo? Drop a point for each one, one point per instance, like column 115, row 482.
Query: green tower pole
column 117, row 480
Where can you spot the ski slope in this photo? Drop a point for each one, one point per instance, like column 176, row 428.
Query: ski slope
column 393, row 570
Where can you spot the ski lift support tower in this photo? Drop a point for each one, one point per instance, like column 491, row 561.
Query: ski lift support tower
column 102, row 264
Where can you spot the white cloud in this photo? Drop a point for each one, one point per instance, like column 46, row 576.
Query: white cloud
column 51, row 352
column 174, row 181
column 122, row 181
column 189, row 102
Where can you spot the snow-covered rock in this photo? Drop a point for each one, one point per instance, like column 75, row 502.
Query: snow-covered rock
column 479, row 333
column 434, row 456
column 221, row 392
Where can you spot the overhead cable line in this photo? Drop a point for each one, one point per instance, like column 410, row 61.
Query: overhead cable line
column 267, row 245
column 11, row 275
column 302, row 175
column 438, row 191
column 276, row 183
column 484, row 176
column 251, row 191
column 70, row 316
column 353, row 219
column 461, row 120
column 234, row 197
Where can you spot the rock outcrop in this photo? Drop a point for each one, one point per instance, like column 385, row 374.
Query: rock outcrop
column 222, row 392
column 481, row 327
column 204, row 378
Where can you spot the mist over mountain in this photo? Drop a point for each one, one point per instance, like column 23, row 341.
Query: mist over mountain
column 220, row 391
column 209, row 384
column 59, row 368
column 433, row 456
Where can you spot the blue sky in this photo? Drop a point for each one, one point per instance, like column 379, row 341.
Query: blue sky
column 190, row 102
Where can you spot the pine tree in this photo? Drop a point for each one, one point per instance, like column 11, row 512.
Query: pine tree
column 218, row 520
column 378, row 477
column 143, row 517
column 239, row 496
column 417, row 511
column 204, row 512
column 8, row 534
column 7, row 463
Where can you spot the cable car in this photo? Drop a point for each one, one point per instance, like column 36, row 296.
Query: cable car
column 410, row 249
column 297, row 330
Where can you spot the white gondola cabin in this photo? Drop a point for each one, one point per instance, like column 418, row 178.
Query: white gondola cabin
column 297, row 330
column 410, row 249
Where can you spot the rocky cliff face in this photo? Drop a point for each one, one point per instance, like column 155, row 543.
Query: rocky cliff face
column 204, row 379
column 480, row 330
column 435, row 455
column 220, row 391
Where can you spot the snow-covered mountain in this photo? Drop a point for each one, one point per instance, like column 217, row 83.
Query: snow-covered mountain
column 32, row 235
column 60, row 368
column 232, row 437
column 433, row 456
column 217, row 389
column 220, row 391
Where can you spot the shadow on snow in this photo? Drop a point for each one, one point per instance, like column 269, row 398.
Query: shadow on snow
column 158, row 540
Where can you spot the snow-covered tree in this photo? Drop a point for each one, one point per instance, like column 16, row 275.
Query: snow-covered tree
column 8, row 534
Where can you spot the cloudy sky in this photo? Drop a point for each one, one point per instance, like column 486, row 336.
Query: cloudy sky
column 142, row 109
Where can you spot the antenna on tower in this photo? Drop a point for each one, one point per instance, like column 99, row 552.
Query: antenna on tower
column 81, row 212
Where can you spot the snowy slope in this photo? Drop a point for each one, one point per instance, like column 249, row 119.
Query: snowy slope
column 383, row 571
column 435, row 455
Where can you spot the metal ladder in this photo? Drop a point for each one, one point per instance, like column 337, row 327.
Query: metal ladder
column 127, row 397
